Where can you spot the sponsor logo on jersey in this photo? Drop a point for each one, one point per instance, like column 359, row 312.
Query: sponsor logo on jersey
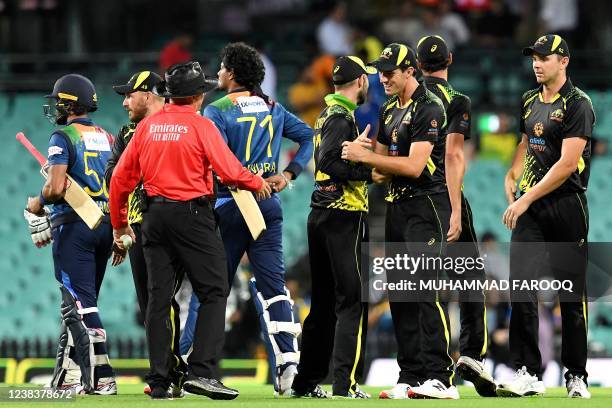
column 54, row 150
column 96, row 141
column 537, row 144
column 251, row 104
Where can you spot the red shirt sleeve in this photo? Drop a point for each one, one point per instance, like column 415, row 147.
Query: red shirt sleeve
column 223, row 161
column 125, row 179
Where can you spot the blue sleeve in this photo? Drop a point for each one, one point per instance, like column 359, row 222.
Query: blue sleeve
column 302, row 134
column 58, row 151
column 214, row 114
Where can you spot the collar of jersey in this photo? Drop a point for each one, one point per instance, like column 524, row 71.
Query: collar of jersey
column 81, row 121
column 337, row 99
column 418, row 92
column 563, row 92
column 434, row 80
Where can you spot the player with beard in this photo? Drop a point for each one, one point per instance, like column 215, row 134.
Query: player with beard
column 335, row 328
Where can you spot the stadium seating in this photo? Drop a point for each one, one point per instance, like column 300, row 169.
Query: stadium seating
column 29, row 291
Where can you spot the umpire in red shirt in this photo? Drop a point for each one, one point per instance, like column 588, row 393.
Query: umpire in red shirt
column 174, row 152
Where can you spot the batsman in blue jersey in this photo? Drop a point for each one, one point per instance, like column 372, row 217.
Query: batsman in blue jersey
column 253, row 126
column 80, row 149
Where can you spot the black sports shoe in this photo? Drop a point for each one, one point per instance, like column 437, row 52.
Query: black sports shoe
column 159, row 392
column 315, row 392
column 209, row 387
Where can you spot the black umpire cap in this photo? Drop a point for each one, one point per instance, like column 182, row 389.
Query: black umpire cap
column 143, row 81
column 395, row 56
column 185, row 79
column 548, row 45
column 432, row 50
column 349, row 68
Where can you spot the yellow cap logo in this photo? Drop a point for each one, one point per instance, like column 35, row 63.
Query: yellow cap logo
column 434, row 47
column 336, row 69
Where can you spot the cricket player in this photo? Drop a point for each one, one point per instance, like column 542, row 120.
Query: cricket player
column 336, row 326
column 140, row 101
column 80, row 149
column 253, row 126
column 554, row 157
column 434, row 59
column 410, row 148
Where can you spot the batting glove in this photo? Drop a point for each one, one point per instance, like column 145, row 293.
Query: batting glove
column 40, row 227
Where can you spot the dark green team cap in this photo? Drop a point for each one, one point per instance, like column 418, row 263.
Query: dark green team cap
column 349, row 68
column 548, row 45
column 395, row 56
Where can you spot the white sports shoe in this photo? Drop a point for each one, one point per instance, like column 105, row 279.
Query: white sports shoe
column 523, row 384
column 399, row 391
column 577, row 388
column 473, row 370
column 106, row 386
column 434, row 389
column 285, row 380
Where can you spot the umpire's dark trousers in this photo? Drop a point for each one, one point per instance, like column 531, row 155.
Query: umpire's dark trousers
column 140, row 275
column 335, row 329
column 553, row 229
column 421, row 323
column 184, row 232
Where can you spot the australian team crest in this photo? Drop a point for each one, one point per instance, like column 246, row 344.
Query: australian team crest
column 541, row 41
column 386, row 53
column 557, row 115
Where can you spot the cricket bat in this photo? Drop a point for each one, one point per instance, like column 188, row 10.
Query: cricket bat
column 250, row 211
column 78, row 199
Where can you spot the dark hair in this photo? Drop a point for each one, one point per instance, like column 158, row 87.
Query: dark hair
column 246, row 65
column 438, row 66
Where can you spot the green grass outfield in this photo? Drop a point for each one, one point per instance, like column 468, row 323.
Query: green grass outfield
column 254, row 396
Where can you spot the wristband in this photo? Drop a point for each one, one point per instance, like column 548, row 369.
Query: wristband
column 289, row 183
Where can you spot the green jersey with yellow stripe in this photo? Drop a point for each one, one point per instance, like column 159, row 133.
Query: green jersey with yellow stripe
column 547, row 124
column 338, row 184
column 421, row 119
column 134, row 214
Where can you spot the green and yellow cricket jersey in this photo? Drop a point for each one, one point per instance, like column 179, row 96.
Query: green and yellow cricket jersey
column 134, row 200
column 422, row 118
column 569, row 114
column 338, row 184
column 457, row 106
